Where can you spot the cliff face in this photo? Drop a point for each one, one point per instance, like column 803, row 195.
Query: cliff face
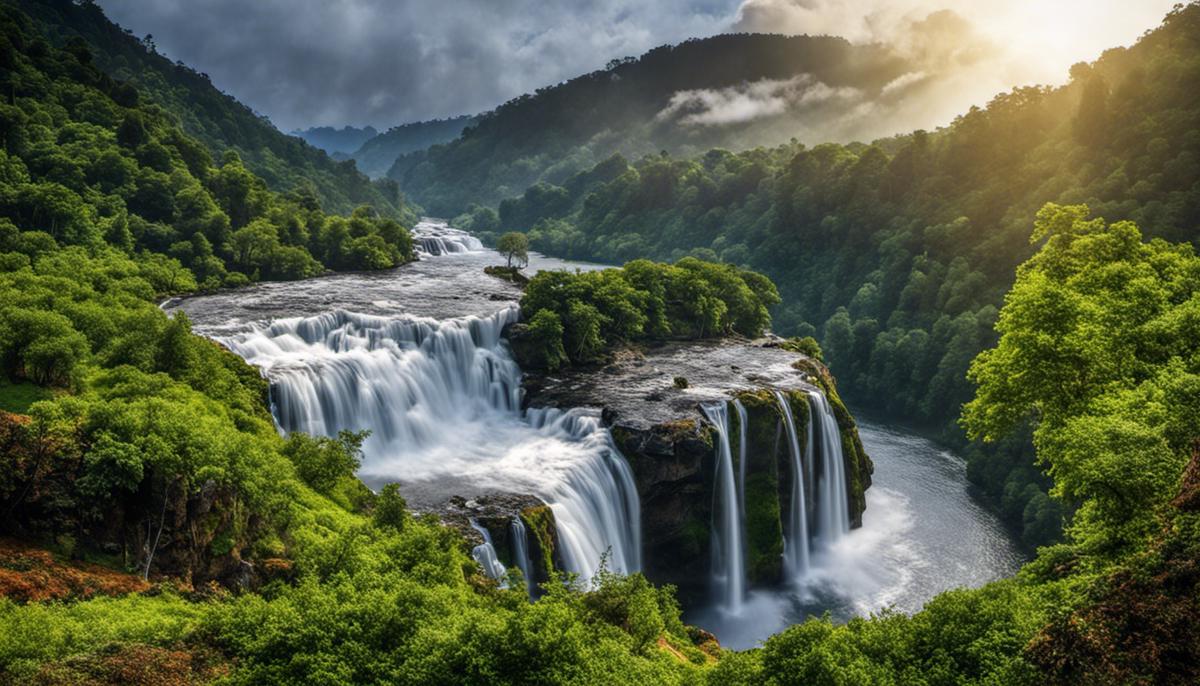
column 651, row 400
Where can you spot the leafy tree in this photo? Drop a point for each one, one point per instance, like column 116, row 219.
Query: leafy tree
column 514, row 245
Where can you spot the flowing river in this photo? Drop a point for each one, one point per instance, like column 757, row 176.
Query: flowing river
column 414, row 355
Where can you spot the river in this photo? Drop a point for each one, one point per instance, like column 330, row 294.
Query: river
column 414, row 355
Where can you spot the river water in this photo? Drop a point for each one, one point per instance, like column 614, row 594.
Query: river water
column 378, row 350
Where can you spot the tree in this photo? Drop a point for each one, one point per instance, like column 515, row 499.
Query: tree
column 391, row 511
column 322, row 462
column 514, row 245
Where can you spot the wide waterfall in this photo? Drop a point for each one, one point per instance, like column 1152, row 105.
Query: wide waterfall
column 436, row 238
column 796, row 540
column 833, row 513
column 485, row 555
column 442, row 402
column 728, row 550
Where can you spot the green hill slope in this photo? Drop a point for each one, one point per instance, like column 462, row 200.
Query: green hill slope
column 216, row 119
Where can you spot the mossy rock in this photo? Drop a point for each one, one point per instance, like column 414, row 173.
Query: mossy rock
column 543, row 541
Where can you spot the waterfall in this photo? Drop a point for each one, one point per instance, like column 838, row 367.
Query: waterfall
column 741, row 479
column 436, row 238
column 833, row 513
column 520, row 552
column 485, row 555
column 728, row 549
column 795, row 542
column 442, row 401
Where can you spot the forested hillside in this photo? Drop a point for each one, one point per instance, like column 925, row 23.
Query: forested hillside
column 628, row 108
column 220, row 122
column 897, row 254
column 89, row 162
column 377, row 154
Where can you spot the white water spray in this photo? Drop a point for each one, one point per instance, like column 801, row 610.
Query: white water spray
column 728, row 550
column 485, row 555
column 795, row 541
column 442, row 402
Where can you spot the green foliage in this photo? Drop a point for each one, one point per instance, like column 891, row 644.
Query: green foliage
column 323, row 462
column 213, row 122
column 85, row 163
column 514, row 245
column 546, row 335
column 390, row 509
column 645, row 301
column 1098, row 342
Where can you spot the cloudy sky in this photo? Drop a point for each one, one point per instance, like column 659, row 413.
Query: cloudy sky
column 384, row 62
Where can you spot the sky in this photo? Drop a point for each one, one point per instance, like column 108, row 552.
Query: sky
column 386, row 62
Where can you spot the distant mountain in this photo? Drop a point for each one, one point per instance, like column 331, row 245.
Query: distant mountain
column 216, row 119
column 344, row 140
column 376, row 155
column 734, row 91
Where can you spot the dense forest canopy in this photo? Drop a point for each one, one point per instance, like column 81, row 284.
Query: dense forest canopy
column 628, row 108
column 217, row 120
column 88, row 162
column 896, row 255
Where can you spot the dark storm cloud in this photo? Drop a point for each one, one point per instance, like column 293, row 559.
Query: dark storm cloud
column 381, row 62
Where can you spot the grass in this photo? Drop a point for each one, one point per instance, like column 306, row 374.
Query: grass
column 17, row 398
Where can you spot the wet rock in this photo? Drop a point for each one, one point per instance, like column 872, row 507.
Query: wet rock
column 659, row 426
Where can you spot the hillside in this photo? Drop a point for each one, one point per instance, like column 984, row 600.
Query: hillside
column 377, row 154
column 898, row 254
column 637, row 106
column 216, row 119
column 344, row 140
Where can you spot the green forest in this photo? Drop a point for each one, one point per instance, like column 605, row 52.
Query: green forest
column 1026, row 276
column 897, row 255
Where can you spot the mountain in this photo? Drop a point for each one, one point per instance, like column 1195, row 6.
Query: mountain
column 671, row 98
column 91, row 164
column 215, row 118
column 344, row 140
column 898, row 254
column 376, row 155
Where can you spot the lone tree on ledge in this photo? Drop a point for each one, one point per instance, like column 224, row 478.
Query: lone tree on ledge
column 514, row 245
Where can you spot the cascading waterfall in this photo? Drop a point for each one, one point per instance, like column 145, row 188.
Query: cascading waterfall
column 728, row 550
column 520, row 551
column 485, row 555
column 436, row 238
column 823, row 448
column 442, row 402
column 796, row 540
column 833, row 514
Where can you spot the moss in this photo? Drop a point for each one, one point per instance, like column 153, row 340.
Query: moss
column 681, row 382
column 539, row 521
column 764, row 530
column 764, row 526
